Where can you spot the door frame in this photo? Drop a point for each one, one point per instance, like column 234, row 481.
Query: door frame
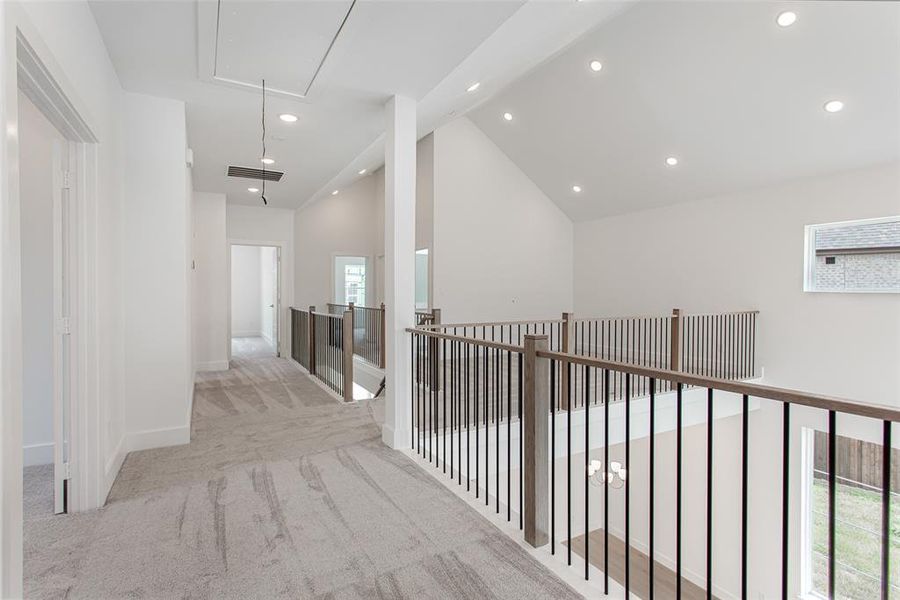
column 26, row 63
column 280, row 349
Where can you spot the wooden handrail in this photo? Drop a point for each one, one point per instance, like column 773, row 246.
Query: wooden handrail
column 489, row 324
column 843, row 405
column 755, row 390
column 468, row 340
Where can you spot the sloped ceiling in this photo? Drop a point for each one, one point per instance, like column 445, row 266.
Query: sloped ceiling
column 719, row 85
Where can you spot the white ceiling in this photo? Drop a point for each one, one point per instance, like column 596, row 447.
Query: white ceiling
column 717, row 84
column 173, row 49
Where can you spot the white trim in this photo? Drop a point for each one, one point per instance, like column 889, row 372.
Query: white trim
column 241, row 334
column 111, row 470
column 38, row 454
column 212, row 365
column 283, row 338
column 157, row 438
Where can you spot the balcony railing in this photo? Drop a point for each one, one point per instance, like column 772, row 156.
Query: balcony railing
column 368, row 331
column 537, row 433
column 323, row 344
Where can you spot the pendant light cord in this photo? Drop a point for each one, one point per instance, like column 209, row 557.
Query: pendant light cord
column 263, row 195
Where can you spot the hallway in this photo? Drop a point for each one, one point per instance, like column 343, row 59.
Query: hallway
column 283, row 492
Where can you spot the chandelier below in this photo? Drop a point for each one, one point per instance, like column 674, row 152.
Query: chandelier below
column 615, row 477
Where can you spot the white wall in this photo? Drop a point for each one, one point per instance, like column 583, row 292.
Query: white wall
column 37, row 138
column 424, row 214
column 745, row 251
column 268, row 266
column 273, row 227
column 341, row 225
column 155, row 293
column 502, row 249
column 246, row 294
column 210, row 283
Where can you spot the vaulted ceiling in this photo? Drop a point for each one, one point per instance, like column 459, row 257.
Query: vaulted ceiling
column 737, row 99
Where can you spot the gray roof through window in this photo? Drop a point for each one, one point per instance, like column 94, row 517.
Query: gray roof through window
column 871, row 235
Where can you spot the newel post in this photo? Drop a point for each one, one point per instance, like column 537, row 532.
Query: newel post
column 435, row 351
column 536, row 451
column 312, row 341
column 347, row 348
column 675, row 337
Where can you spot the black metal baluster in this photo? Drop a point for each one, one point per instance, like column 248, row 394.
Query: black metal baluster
column 521, row 450
column 886, row 511
column 477, row 425
column 652, row 489
column 443, row 389
column 587, row 464
column 832, row 499
column 412, row 380
column 785, row 493
column 606, row 482
column 468, row 421
column 509, row 434
column 678, row 442
column 627, row 484
column 745, row 489
column 552, row 457
column 569, row 462
column 709, row 490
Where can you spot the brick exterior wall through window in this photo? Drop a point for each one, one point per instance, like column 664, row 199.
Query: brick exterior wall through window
column 864, row 256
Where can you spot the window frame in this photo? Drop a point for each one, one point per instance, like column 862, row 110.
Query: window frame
column 809, row 254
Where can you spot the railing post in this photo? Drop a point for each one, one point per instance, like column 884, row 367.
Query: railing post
column 566, row 345
column 435, row 351
column 347, row 349
column 675, row 338
column 312, row 341
column 352, row 326
column 535, row 411
column 383, row 336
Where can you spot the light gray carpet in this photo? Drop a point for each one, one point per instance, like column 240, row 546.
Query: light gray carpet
column 284, row 492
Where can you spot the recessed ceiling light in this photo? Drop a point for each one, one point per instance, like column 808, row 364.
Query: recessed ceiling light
column 507, row 116
column 576, row 188
column 671, row 161
column 252, row 190
column 288, row 118
column 267, row 161
column 834, row 106
column 362, row 171
column 473, row 87
column 596, row 65
column 786, row 19
column 334, row 193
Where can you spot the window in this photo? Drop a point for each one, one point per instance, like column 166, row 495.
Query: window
column 857, row 518
column 350, row 280
column 853, row 256
column 422, row 278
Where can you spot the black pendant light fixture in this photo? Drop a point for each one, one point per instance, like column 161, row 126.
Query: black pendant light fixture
column 263, row 193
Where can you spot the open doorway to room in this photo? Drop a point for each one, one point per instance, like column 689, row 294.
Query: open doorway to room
column 44, row 157
column 255, row 301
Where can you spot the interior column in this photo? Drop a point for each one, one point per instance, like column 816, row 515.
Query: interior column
column 399, row 264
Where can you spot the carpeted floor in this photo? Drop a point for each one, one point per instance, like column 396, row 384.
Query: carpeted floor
column 283, row 492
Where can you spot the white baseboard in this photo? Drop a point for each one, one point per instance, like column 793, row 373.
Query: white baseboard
column 112, row 467
column 213, row 365
column 157, row 438
column 246, row 334
column 38, row 454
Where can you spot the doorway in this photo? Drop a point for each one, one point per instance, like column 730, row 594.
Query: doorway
column 255, row 301
column 45, row 233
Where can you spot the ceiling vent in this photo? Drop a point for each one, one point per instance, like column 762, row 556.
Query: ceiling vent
column 253, row 173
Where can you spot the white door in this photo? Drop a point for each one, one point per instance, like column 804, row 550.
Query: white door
column 64, row 184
